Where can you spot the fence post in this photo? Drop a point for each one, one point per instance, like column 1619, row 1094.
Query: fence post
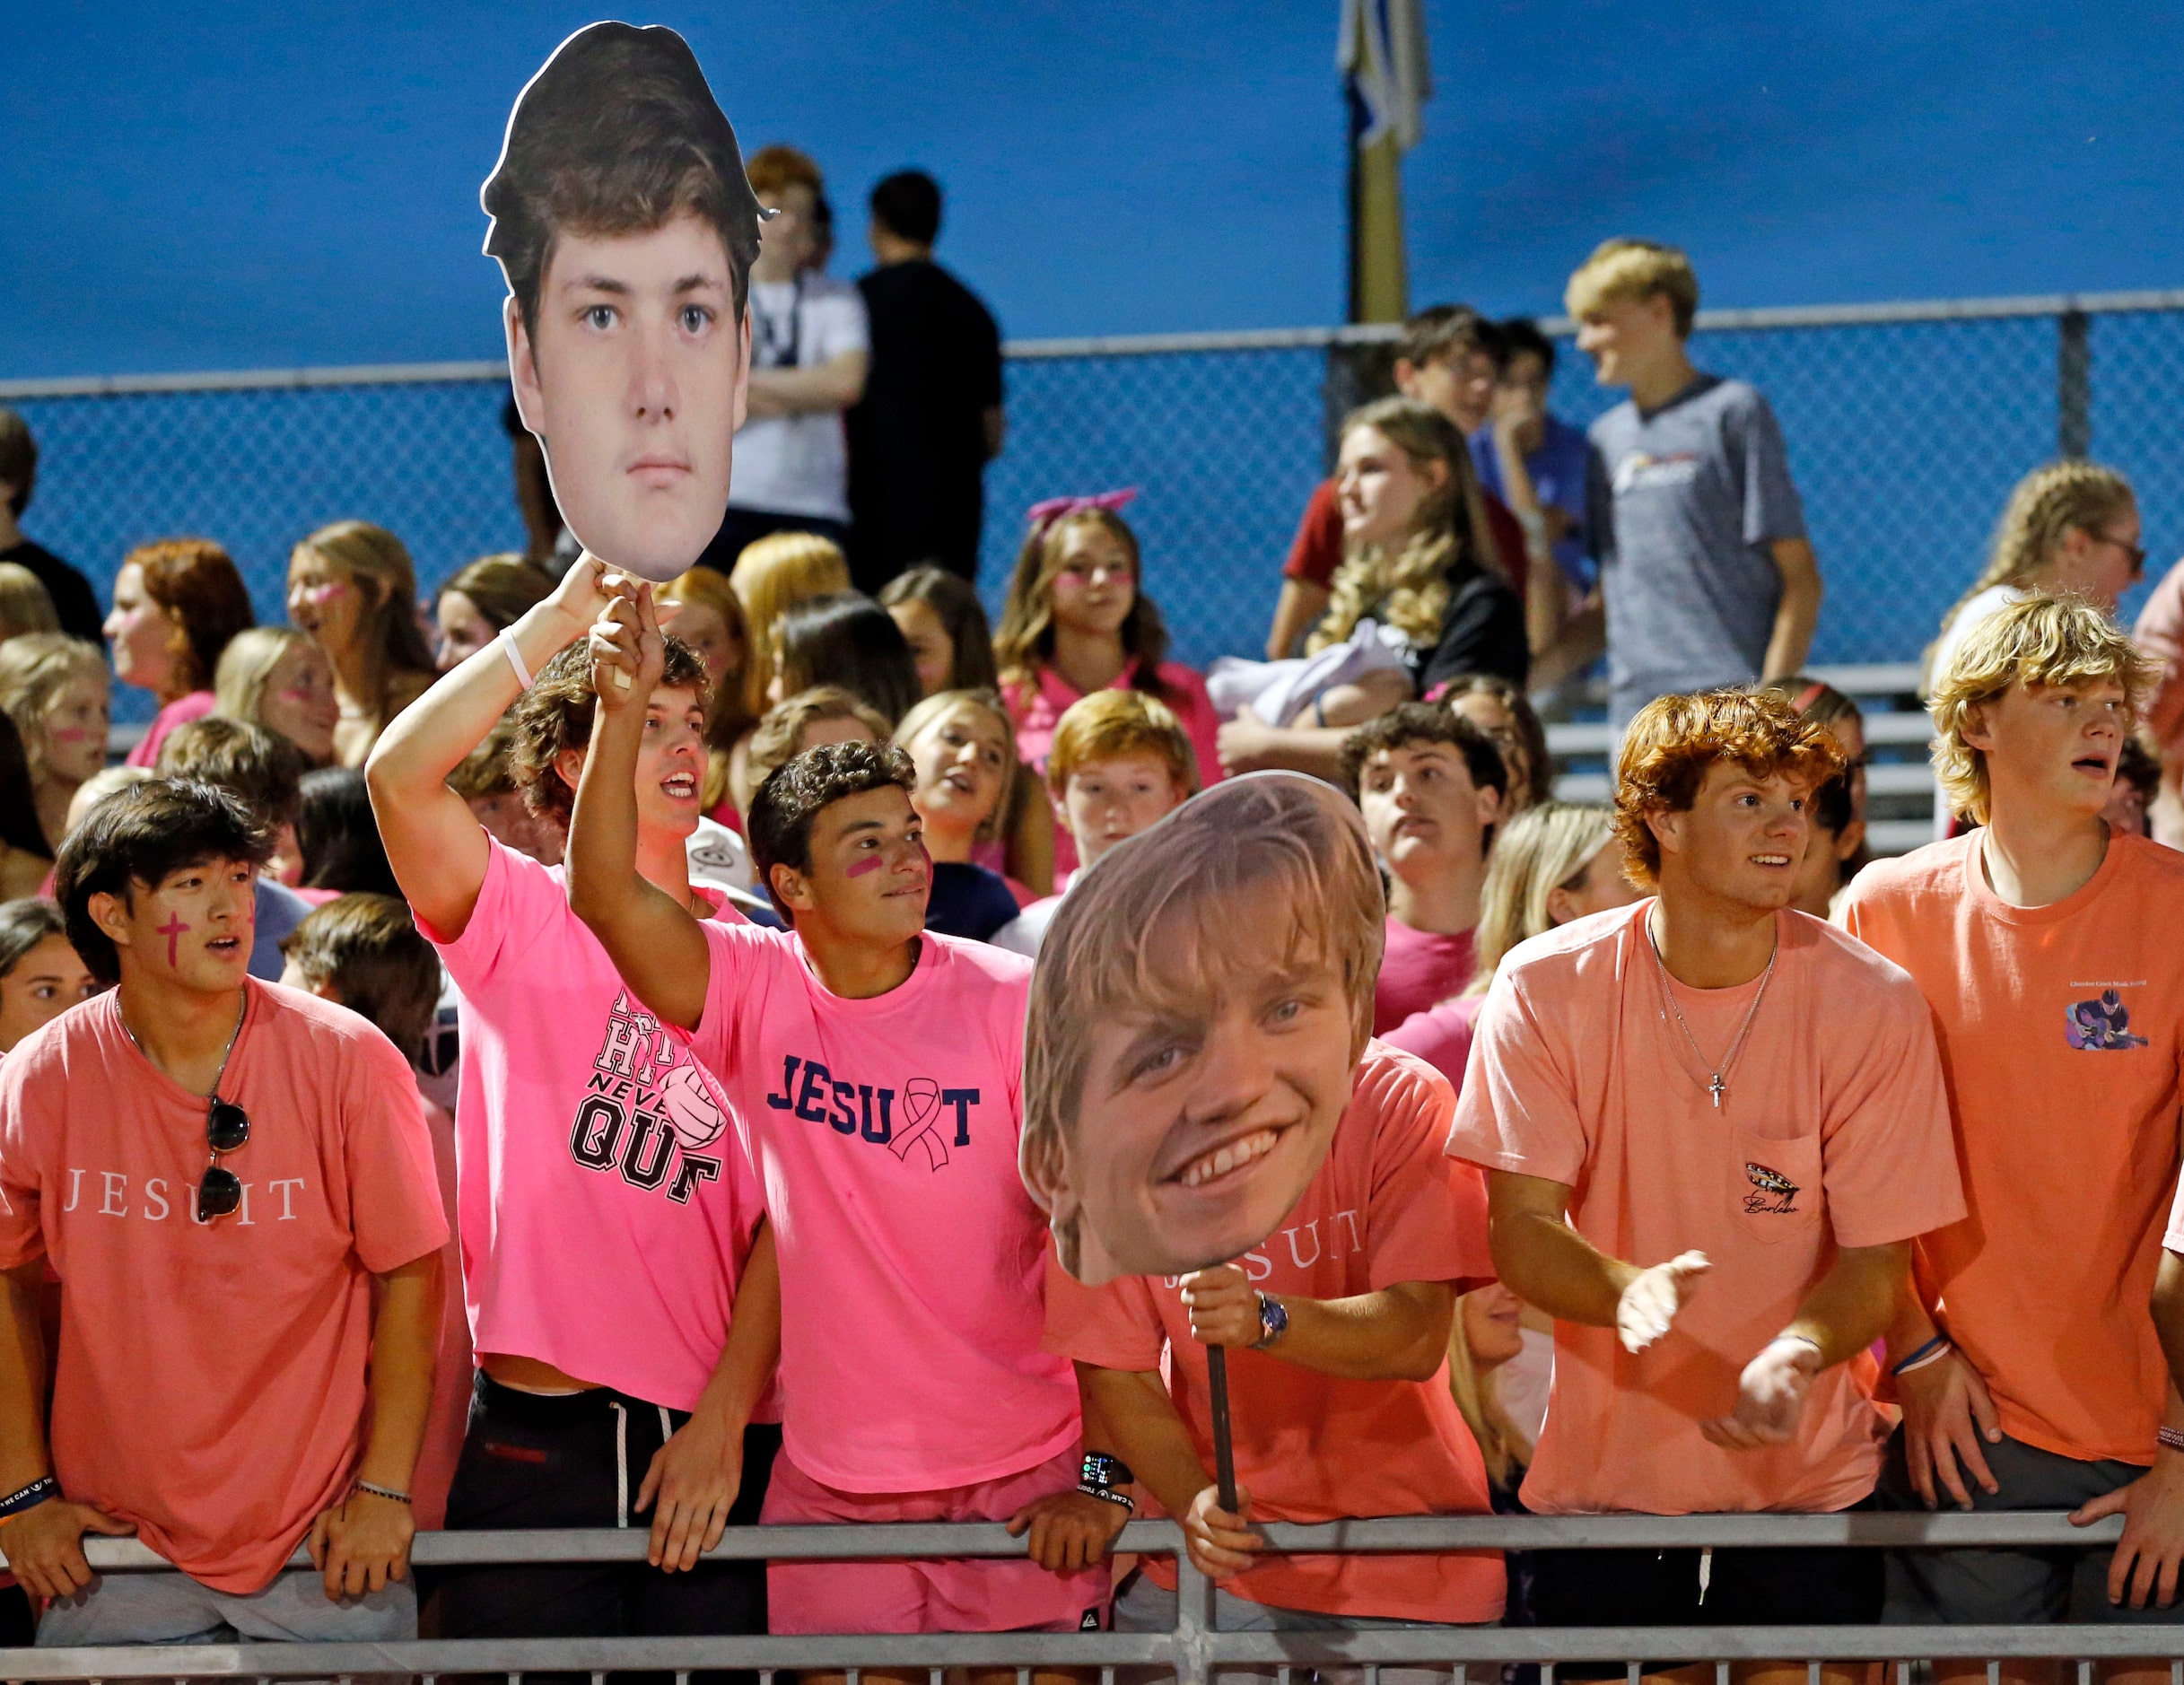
column 1193, row 1622
column 2073, row 385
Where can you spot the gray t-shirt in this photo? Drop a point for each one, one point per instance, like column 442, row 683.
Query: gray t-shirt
column 1685, row 502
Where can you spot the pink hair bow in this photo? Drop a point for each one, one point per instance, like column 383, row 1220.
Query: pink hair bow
column 1045, row 514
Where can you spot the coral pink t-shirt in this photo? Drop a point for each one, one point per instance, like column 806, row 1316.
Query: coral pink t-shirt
column 210, row 1382
column 1037, row 710
column 2060, row 1044
column 1834, row 1132
column 449, row 1416
column 605, row 1207
column 1387, row 1206
column 1417, row 970
column 912, row 1259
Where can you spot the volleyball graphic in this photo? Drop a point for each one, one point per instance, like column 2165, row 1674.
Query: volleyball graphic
column 689, row 1109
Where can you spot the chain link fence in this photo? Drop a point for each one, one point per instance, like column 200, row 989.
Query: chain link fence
column 1907, row 425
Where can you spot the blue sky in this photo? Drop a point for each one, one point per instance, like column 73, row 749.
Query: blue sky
column 247, row 184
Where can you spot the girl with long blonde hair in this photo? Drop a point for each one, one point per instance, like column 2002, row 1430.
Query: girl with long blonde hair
column 1419, row 563
column 353, row 590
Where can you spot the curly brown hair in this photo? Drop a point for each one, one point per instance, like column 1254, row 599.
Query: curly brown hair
column 556, row 713
column 1669, row 747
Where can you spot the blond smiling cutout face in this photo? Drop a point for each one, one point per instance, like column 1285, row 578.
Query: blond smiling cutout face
column 1200, row 1003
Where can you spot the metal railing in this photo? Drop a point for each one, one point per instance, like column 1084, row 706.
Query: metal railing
column 1907, row 425
column 1899, row 778
column 1195, row 1651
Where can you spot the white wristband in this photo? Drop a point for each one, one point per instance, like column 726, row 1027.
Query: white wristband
column 507, row 641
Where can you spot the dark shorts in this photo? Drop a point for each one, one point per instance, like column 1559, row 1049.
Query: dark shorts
column 1759, row 1585
column 1936, row 1588
column 578, row 1461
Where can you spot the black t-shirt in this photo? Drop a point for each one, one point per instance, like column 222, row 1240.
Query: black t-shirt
column 74, row 600
column 968, row 900
column 1482, row 631
column 917, row 438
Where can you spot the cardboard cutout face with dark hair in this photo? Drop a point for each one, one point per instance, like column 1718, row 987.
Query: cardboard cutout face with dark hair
column 624, row 226
column 1200, row 1003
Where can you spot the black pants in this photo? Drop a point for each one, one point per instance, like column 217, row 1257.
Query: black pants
column 577, row 1460
column 1756, row 1585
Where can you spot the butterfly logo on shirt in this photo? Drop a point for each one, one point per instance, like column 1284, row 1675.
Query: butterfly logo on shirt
column 1774, row 1194
column 2101, row 1025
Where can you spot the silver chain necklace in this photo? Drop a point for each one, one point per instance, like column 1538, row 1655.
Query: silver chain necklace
column 226, row 1053
column 1717, row 1082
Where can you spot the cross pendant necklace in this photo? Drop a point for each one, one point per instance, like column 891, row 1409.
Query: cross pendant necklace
column 1717, row 1080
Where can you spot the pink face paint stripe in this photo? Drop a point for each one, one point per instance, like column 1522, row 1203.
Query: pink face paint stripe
column 172, row 931
column 869, row 863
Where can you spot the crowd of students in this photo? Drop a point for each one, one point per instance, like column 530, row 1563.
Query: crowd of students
column 1683, row 1159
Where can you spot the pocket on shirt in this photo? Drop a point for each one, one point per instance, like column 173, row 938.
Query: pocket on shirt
column 1775, row 1185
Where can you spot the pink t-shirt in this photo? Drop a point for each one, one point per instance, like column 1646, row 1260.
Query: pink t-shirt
column 1387, row 1206
column 605, row 1207
column 1441, row 1035
column 1834, row 1132
column 1418, row 970
column 211, row 1379
column 1038, row 709
column 179, row 712
column 912, row 1260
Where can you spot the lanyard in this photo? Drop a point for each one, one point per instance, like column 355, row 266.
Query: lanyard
column 769, row 349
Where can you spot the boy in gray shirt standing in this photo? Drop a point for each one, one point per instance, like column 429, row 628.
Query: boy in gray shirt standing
column 1706, row 574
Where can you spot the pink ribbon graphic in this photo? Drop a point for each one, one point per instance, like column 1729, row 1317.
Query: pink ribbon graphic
column 922, row 1121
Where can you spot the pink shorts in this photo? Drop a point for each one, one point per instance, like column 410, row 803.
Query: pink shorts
column 955, row 1595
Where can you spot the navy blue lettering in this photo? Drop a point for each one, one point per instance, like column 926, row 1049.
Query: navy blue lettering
column 782, row 1102
column 962, row 1100
column 885, row 1131
column 689, row 1174
column 596, row 1138
column 635, row 1169
column 844, row 1120
column 811, row 1101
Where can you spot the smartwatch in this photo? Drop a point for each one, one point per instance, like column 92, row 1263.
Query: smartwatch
column 1102, row 1469
column 1273, row 1323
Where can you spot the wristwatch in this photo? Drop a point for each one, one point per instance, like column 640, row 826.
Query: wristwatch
column 1273, row 1323
column 1101, row 1475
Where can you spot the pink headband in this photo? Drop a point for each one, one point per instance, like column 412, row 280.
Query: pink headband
column 1044, row 515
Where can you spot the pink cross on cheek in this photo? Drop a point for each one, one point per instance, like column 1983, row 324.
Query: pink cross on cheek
column 172, row 931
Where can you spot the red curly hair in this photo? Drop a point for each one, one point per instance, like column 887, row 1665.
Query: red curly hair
column 1669, row 747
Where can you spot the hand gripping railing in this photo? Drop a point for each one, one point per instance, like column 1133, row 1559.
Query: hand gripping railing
column 1194, row 1651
